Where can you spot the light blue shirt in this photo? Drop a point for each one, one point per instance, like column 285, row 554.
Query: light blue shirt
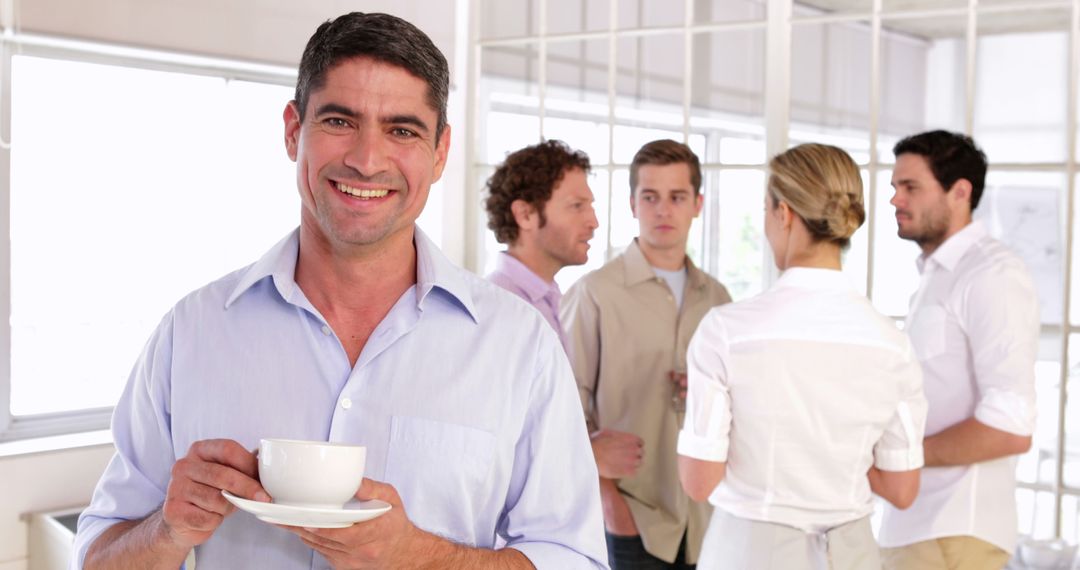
column 461, row 394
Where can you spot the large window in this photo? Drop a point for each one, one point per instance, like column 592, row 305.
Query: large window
column 133, row 180
column 738, row 79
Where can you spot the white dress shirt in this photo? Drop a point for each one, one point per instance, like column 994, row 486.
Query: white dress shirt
column 974, row 323
column 800, row 390
column 462, row 395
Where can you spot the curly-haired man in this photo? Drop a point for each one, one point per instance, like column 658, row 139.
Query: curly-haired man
column 539, row 204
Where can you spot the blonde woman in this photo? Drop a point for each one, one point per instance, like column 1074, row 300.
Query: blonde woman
column 804, row 400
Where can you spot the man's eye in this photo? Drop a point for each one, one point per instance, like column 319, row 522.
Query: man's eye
column 335, row 122
column 403, row 132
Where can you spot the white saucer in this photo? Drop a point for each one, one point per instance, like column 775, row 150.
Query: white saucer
column 352, row 512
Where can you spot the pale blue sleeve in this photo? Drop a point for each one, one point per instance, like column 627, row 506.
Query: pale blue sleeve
column 553, row 513
column 135, row 480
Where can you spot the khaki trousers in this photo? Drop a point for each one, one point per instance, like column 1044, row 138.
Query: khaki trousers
column 732, row 543
column 949, row 553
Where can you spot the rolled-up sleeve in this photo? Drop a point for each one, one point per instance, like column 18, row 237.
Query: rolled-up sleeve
column 553, row 513
column 1001, row 318
column 901, row 445
column 134, row 482
column 708, row 404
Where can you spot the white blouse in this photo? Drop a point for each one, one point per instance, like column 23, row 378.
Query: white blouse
column 800, row 390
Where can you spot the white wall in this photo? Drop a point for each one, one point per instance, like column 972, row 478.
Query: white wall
column 42, row 482
column 272, row 31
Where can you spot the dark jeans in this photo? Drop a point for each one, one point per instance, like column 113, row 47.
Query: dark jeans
column 628, row 553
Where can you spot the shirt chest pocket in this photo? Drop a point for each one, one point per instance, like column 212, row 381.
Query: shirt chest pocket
column 927, row 331
column 441, row 470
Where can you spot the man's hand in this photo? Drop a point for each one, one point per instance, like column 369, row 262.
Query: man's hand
column 618, row 454
column 679, row 381
column 194, row 507
column 388, row 541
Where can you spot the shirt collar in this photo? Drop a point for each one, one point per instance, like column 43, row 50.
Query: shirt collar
column 638, row 270
column 814, row 278
column 278, row 263
column 532, row 284
column 949, row 253
column 433, row 271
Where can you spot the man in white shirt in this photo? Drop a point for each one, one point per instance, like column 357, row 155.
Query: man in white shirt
column 974, row 323
column 539, row 204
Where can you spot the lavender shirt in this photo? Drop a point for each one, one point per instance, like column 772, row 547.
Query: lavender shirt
column 516, row 277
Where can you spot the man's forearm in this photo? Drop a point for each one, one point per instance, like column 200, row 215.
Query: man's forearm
column 437, row 552
column 135, row 545
column 971, row 441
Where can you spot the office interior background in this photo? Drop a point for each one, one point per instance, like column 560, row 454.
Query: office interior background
column 142, row 155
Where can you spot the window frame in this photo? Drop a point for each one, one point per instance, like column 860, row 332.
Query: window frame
column 13, row 427
column 779, row 22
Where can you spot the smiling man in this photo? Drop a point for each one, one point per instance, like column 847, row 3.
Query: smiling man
column 974, row 324
column 356, row 329
column 540, row 205
column 629, row 324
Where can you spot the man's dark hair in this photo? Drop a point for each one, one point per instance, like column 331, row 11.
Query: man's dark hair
column 529, row 174
column 382, row 37
column 662, row 153
column 951, row 156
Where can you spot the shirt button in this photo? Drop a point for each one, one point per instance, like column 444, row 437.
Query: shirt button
column 346, row 403
column 326, row 330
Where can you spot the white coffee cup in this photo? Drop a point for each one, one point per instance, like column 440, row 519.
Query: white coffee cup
column 311, row 473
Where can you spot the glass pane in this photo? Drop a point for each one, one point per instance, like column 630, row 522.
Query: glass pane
column 155, row 213
column 598, row 182
column 1021, row 89
column 571, row 16
column 895, row 275
column 830, row 86
column 642, row 14
column 508, row 99
column 491, row 247
column 509, row 18
column 922, row 80
column 1039, row 464
column 740, row 249
column 649, row 89
column 1035, row 510
column 1024, row 211
column 1072, row 416
column 1070, row 519
column 728, row 96
column 711, row 11
column 576, row 98
column 624, row 226
column 1074, row 285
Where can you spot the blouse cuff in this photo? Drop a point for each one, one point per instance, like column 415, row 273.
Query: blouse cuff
column 692, row 445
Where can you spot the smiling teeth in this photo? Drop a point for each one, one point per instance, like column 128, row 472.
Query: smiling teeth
column 362, row 193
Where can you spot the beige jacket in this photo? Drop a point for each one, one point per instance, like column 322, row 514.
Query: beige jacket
column 627, row 334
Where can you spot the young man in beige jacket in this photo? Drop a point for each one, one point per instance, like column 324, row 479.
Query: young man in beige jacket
column 629, row 324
